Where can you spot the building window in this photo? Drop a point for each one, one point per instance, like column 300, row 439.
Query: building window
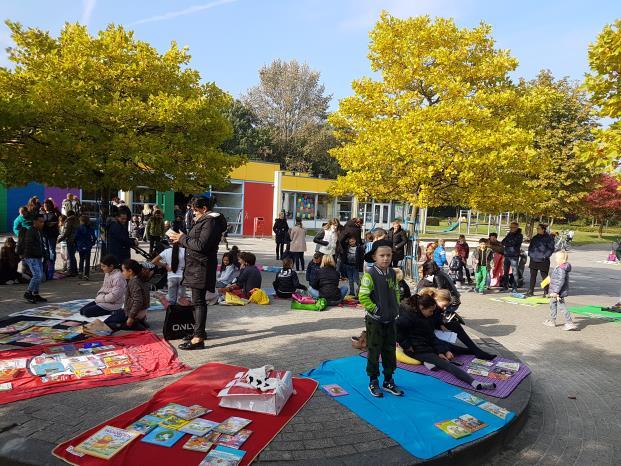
column 343, row 208
column 325, row 207
column 230, row 203
column 305, row 206
column 365, row 211
column 141, row 196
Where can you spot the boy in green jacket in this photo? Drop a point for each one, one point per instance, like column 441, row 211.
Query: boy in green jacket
column 379, row 294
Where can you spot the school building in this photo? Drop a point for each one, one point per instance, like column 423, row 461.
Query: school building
column 250, row 203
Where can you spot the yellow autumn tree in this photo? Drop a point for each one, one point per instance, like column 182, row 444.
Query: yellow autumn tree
column 439, row 127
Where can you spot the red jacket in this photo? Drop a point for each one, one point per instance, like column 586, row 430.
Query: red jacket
column 462, row 250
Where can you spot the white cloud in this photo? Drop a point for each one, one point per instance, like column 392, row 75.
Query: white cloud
column 367, row 11
column 87, row 11
column 185, row 11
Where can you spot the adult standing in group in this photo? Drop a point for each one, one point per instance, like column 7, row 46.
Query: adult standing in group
column 327, row 238
column 298, row 244
column 353, row 229
column 72, row 223
column 34, row 251
column 512, row 244
column 118, row 241
column 281, row 232
column 399, row 238
column 51, row 230
column 201, row 262
column 498, row 259
column 540, row 250
column 71, row 203
column 155, row 230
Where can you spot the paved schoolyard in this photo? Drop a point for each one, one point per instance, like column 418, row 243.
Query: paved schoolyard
column 559, row 430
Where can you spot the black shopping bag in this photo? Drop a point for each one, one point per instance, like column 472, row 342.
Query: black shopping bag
column 179, row 321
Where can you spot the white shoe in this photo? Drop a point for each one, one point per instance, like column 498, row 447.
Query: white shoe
column 570, row 326
column 550, row 323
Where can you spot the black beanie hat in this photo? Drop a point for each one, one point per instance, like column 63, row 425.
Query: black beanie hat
column 368, row 257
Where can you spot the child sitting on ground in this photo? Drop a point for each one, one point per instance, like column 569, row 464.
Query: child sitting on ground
column 404, row 288
column 249, row 276
column 287, row 282
column 559, row 290
column 482, row 261
column 133, row 316
column 228, row 271
column 379, row 294
column 312, row 269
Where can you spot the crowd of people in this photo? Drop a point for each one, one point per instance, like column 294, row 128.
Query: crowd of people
column 342, row 264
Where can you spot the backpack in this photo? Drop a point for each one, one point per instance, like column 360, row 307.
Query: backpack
column 455, row 264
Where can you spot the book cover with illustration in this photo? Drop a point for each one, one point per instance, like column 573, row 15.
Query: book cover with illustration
column 469, row 398
column 173, row 422
column 232, row 425
column 198, row 443
column 223, row 456
column 106, row 442
column 477, row 371
column 145, row 424
column 163, row 437
column 236, row 440
column 198, row 426
column 334, row 390
column 510, row 366
column 496, row 410
column 469, row 422
column 173, row 409
column 453, row 429
column 481, row 362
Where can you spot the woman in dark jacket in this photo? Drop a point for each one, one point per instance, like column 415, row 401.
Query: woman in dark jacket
column 399, row 239
column 281, row 230
column 415, row 334
column 434, row 277
column 51, row 230
column 326, row 282
column 201, row 262
column 540, row 250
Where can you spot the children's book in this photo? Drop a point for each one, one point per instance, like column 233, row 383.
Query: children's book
column 198, row 426
column 197, row 443
column 469, row 422
column 87, row 372
column 17, row 327
column 92, row 344
column 173, row 409
column 8, row 374
column 61, row 349
column 106, row 442
column 496, row 410
column 6, row 386
column 232, row 425
column 48, row 323
column 334, row 390
column 499, row 373
column 145, row 424
column 193, row 411
column 477, row 371
column 213, row 436
column 450, row 337
column 235, row 441
column 163, row 437
column 173, row 422
column 118, row 370
column 453, row 429
column 481, row 362
column 509, row 366
column 223, row 456
column 469, row 398
column 8, row 339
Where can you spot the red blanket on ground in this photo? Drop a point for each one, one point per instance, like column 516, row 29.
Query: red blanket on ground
column 199, row 387
column 151, row 357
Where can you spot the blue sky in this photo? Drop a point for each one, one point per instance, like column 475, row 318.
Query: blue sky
column 230, row 39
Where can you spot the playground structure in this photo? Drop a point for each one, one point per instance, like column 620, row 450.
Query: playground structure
column 473, row 220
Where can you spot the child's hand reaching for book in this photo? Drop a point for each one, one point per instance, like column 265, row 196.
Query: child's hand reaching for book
column 449, row 356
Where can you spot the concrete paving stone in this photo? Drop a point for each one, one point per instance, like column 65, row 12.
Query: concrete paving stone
column 319, row 443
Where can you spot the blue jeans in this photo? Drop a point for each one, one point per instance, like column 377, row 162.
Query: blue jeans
column 315, row 293
column 51, row 246
column 352, row 274
column 36, row 268
column 512, row 262
column 175, row 290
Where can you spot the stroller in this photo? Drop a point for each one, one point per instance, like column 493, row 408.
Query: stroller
column 154, row 276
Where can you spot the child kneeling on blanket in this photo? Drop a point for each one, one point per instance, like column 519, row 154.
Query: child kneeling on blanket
column 379, row 294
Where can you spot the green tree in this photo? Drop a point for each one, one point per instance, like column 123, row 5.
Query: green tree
column 109, row 112
column 439, row 127
column 604, row 83
column 249, row 138
column 291, row 103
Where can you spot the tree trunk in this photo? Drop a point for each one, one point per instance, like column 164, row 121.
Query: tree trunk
column 600, row 229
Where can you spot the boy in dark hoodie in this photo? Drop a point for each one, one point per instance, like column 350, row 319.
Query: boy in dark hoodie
column 379, row 294
column 287, row 282
column 559, row 289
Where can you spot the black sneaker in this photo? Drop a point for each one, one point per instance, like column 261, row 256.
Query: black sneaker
column 28, row 296
column 390, row 387
column 375, row 390
column 39, row 299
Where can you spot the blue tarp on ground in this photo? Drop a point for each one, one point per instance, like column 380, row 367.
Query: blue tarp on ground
column 409, row 420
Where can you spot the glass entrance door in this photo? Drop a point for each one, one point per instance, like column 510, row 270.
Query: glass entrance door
column 381, row 215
